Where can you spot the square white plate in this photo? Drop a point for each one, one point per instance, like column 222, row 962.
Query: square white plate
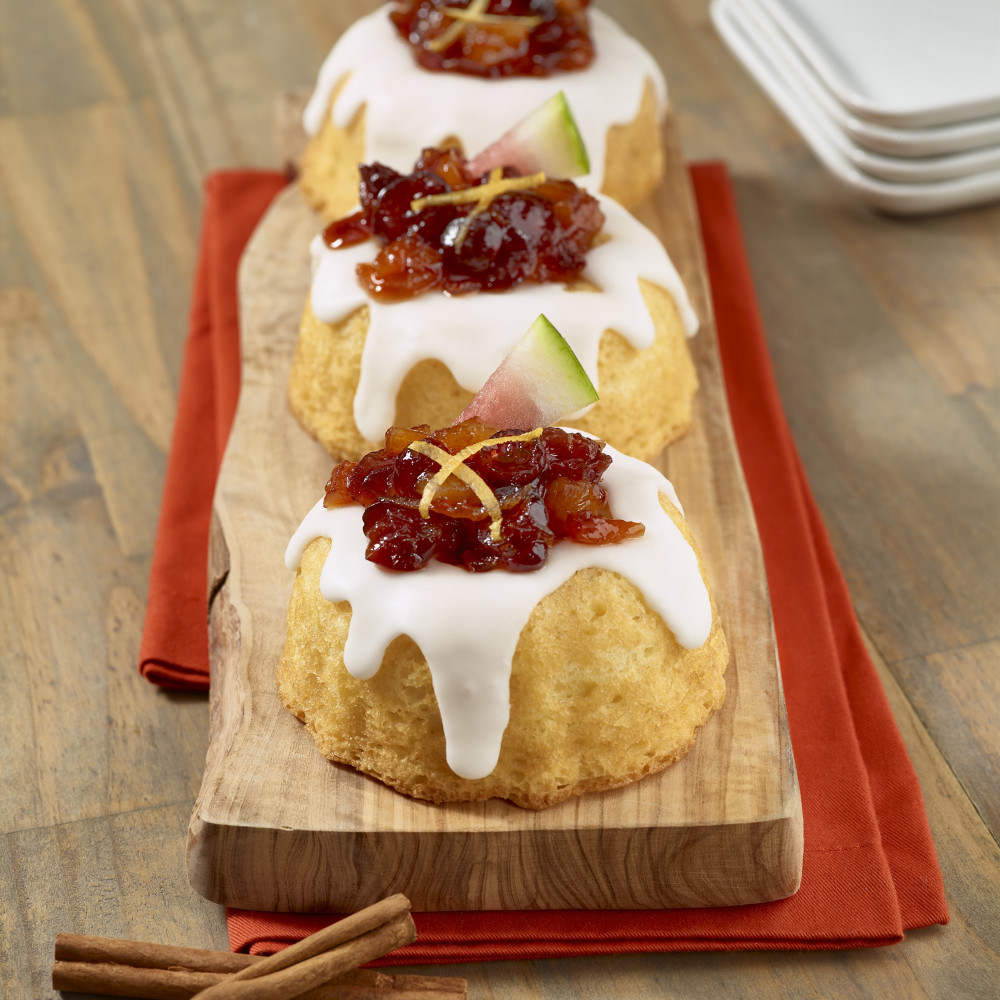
column 822, row 108
column 901, row 62
column 916, row 141
column 895, row 198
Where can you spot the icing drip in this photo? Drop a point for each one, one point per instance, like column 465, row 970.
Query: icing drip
column 409, row 108
column 467, row 625
column 472, row 334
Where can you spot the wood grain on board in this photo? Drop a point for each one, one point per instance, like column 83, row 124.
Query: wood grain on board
column 276, row 826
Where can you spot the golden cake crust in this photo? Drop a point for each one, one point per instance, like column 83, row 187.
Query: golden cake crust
column 601, row 694
column 328, row 169
column 645, row 403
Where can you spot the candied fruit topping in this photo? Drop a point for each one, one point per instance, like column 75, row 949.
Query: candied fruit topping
column 497, row 38
column 444, row 228
column 479, row 497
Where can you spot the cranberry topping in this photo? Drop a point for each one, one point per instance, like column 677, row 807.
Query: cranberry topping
column 557, row 40
column 541, row 233
column 548, row 490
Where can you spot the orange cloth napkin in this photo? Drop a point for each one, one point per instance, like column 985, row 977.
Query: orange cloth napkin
column 174, row 648
column 869, row 869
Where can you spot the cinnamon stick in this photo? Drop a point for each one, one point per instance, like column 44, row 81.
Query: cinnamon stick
column 129, row 981
column 352, row 926
column 142, row 954
column 295, row 980
column 323, row 966
column 182, row 984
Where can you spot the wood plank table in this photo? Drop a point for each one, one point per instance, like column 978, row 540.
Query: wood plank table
column 886, row 341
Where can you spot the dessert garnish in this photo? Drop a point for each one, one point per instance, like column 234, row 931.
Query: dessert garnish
column 476, row 13
column 475, row 496
column 424, row 219
column 518, row 230
column 454, row 465
column 496, row 38
column 547, row 139
column 507, row 498
column 539, row 382
column 481, row 195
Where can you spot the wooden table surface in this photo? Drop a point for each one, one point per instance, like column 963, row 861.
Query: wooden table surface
column 886, row 342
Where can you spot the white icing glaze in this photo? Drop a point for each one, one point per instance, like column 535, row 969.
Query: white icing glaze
column 467, row 625
column 409, row 107
column 472, row 334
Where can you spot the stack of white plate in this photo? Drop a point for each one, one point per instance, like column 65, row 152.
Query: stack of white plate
column 900, row 99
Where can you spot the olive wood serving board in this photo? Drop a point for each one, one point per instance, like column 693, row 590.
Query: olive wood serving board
column 278, row 827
